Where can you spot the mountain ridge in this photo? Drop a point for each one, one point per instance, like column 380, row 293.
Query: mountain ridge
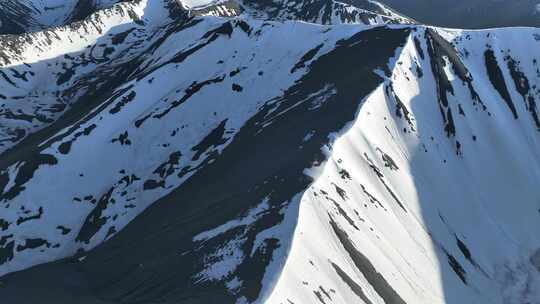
column 333, row 169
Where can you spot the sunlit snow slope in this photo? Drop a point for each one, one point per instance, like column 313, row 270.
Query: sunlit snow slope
column 430, row 196
column 150, row 155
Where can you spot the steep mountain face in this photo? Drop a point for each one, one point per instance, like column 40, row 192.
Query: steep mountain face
column 472, row 13
column 152, row 154
column 428, row 196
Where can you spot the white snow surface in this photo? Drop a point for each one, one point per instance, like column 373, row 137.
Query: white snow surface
column 406, row 193
column 485, row 195
column 36, row 15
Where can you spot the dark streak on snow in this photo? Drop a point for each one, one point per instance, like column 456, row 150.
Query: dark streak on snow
column 468, row 255
column 419, row 47
column 357, row 289
column 64, row 230
column 344, row 214
column 372, row 198
column 125, row 100
column 497, row 80
column 21, row 220
column 456, row 266
column 65, row 147
column 443, row 83
column 25, row 172
column 388, row 161
column 142, row 263
column 213, row 139
column 33, row 244
column 362, row 263
column 192, row 90
column 307, row 57
column 401, row 109
column 523, row 87
column 6, row 250
column 380, row 176
column 95, row 220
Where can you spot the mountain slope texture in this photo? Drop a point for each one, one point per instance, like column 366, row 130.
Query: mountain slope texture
column 157, row 151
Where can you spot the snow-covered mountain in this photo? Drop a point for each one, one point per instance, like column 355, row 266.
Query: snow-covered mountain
column 154, row 154
column 314, row 11
column 21, row 16
column 81, row 76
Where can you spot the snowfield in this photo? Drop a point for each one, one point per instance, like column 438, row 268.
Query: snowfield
column 283, row 152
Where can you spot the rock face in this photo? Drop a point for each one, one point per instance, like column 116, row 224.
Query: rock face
column 151, row 153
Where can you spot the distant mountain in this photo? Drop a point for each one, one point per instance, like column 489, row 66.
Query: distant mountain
column 316, row 11
column 20, row 16
column 471, row 13
column 201, row 152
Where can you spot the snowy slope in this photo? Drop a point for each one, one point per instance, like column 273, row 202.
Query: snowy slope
column 21, row 16
column 195, row 159
column 417, row 207
column 128, row 118
column 75, row 53
column 316, row 11
column 79, row 57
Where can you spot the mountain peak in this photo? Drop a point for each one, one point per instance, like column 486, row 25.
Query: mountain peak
column 267, row 152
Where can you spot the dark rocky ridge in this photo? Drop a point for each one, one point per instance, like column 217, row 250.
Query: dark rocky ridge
column 102, row 274
column 229, row 170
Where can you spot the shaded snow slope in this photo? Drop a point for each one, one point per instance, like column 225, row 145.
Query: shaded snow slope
column 21, row 16
column 78, row 56
column 196, row 159
column 199, row 124
column 44, row 73
column 24, row 16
